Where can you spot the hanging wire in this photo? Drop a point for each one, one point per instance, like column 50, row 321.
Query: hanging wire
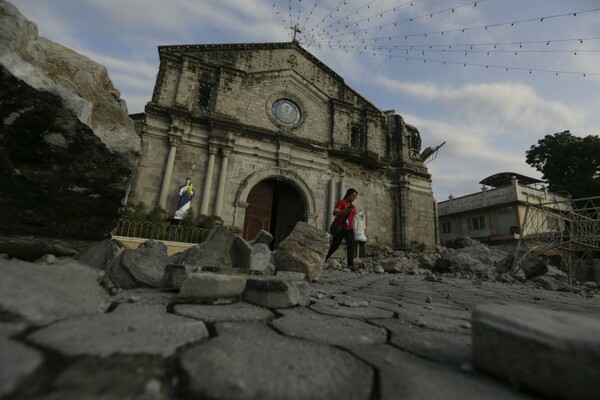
column 411, row 19
column 322, row 38
column 343, row 2
column 374, row 52
column 485, row 27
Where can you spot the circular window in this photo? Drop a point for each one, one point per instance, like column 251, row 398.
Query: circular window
column 286, row 113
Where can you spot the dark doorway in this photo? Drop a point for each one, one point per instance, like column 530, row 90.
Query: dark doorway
column 274, row 206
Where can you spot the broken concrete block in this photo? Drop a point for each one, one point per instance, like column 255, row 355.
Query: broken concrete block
column 303, row 250
column 274, row 292
column 174, row 277
column 554, row 353
column 17, row 363
column 261, row 259
column 290, row 275
column 263, row 237
column 222, row 248
column 210, row 288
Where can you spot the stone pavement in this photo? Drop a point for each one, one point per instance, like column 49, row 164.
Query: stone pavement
column 363, row 336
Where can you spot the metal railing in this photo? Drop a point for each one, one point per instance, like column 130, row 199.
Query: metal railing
column 166, row 231
column 568, row 229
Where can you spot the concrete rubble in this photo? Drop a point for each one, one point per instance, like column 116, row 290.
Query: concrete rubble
column 116, row 323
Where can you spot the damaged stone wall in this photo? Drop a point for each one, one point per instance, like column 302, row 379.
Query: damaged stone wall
column 211, row 119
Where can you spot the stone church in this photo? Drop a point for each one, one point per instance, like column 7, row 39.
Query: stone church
column 269, row 135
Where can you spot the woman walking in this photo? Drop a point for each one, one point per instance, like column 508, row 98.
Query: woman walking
column 344, row 213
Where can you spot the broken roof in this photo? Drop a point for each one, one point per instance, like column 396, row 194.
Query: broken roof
column 505, row 178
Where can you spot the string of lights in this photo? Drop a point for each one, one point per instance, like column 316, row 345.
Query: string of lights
column 395, row 23
column 346, row 28
column 464, row 29
column 468, row 64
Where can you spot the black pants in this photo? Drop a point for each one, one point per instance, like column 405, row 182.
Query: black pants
column 337, row 240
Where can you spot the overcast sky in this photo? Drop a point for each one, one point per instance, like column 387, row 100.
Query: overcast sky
column 490, row 78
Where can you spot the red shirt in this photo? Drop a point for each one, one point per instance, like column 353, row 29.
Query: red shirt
column 342, row 205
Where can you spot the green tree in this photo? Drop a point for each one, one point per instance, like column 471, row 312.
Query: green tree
column 568, row 163
column 157, row 216
column 136, row 212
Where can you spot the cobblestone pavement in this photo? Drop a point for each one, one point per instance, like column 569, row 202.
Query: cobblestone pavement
column 363, row 336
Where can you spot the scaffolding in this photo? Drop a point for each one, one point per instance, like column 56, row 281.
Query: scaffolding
column 569, row 229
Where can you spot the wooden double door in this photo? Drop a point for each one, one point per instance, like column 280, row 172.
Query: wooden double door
column 274, row 206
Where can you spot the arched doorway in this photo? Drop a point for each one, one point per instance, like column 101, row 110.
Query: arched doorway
column 274, row 206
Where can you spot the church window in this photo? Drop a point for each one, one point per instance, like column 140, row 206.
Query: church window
column 286, row 113
column 356, row 136
column 205, row 95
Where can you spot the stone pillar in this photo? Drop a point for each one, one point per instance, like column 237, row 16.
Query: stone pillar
column 208, row 181
column 341, row 188
column 332, row 200
column 222, row 180
column 174, row 141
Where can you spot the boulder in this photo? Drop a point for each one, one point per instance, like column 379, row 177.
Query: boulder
column 221, row 249
column 533, row 265
column 68, row 149
column 303, row 250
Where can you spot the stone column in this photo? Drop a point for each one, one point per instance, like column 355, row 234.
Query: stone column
column 222, row 179
column 208, row 181
column 341, row 189
column 174, row 141
column 332, row 200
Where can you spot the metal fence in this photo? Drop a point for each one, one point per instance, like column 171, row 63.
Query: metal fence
column 571, row 232
column 167, row 232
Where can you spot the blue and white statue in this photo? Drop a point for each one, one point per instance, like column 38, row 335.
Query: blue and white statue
column 186, row 194
column 360, row 227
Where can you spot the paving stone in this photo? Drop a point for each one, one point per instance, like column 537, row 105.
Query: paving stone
column 431, row 318
column 42, row 294
column 332, row 307
column 408, row 377
column 9, row 329
column 338, row 331
column 250, row 361
column 133, row 330
column 211, row 288
column 17, row 362
column 552, row 352
column 274, row 292
column 440, row 346
column 145, row 296
column 113, row 378
column 238, row 312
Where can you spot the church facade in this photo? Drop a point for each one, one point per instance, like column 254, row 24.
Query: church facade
column 268, row 136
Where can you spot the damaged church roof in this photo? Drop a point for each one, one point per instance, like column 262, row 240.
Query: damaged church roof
column 505, row 178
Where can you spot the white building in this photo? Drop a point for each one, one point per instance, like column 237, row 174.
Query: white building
column 496, row 214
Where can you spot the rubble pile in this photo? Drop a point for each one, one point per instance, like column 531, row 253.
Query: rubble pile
column 215, row 321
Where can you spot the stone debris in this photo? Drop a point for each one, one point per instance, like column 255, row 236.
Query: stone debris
column 17, row 362
column 173, row 277
column 222, row 249
column 551, row 352
column 211, row 288
column 303, row 250
column 275, row 292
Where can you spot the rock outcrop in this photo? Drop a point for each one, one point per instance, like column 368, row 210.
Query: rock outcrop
column 68, row 150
